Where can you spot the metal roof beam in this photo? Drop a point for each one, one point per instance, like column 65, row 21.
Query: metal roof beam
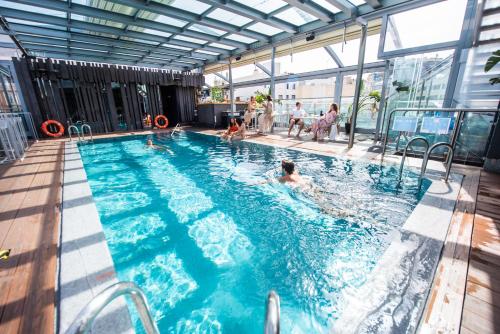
column 313, row 9
column 249, row 12
column 57, row 21
column 223, row 77
column 109, row 60
column 263, row 68
column 180, row 14
column 374, row 3
column 128, row 20
column 99, row 40
column 334, row 56
column 344, row 6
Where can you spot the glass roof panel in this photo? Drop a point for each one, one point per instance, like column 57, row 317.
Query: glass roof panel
column 222, row 46
column 33, row 23
column 183, row 48
column 240, row 38
column 190, row 39
column 150, row 31
column 162, row 19
column 125, row 38
column 265, row 6
column 296, row 16
column 326, row 5
column 97, row 21
column 32, row 9
column 228, row 17
column 208, row 52
column 207, row 30
column 357, row 2
column 264, row 29
column 107, row 5
column 189, row 5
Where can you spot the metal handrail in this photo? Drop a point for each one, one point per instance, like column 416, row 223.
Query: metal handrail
column 84, row 320
column 272, row 322
column 75, row 131
column 461, row 111
column 426, row 142
column 90, row 131
column 175, row 129
column 448, row 164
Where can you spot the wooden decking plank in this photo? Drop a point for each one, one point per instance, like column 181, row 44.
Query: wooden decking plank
column 444, row 307
column 27, row 301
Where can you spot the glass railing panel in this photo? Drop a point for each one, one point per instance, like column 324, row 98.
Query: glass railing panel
column 473, row 138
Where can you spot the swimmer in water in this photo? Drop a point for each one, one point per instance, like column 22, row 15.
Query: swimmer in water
column 290, row 174
column 150, row 144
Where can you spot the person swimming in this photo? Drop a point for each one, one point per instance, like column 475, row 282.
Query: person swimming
column 150, row 144
column 290, row 174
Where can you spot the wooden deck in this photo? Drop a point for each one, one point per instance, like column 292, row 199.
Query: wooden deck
column 481, row 312
column 30, row 198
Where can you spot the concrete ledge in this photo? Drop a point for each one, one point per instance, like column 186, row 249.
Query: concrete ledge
column 85, row 264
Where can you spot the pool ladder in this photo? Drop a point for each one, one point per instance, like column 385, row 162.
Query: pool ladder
column 81, row 137
column 425, row 159
column 176, row 128
column 84, row 320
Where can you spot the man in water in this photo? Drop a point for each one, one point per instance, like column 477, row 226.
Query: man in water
column 149, row 144
column 289, row 173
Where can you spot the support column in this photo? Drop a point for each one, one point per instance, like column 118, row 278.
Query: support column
column 231, row 87
column 359, row 78
column 381, row 111
column 273, row 56
column 338, row 89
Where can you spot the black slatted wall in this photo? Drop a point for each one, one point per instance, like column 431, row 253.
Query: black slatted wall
column 69, row 91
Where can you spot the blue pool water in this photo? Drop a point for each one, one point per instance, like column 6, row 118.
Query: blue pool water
column 206, row 244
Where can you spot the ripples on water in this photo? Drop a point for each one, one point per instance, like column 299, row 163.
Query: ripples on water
column 206, row 244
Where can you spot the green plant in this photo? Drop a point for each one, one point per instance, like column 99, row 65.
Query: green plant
column 217, row 94
column 490, row 63
column 369, row 101
column 260, row 97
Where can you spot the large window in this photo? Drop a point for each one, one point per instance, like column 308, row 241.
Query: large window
column 430, row 25
column 316, row 95
column 247, row 73
column 307, row 61
column 369, row 100
column 244, row 93
column 348, row 52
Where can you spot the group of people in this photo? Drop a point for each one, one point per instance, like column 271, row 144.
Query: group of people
column 319, row 127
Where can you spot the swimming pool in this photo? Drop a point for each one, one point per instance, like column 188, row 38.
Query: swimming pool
column 206, row 244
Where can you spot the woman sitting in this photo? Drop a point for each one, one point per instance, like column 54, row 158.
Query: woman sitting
column 241, row 132
column 233, row 127
column 266, row 120
column 250, row 112
column 322, row 125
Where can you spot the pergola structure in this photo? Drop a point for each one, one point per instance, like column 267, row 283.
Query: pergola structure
column 175, row 34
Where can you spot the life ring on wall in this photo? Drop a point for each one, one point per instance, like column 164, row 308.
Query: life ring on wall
column 59, row 126
column 165, row 120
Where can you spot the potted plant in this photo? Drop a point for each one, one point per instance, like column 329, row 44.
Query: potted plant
column 490, row 63
column 369, row 102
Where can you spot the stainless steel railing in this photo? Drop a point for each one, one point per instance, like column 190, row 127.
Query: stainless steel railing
column 272, row 322
column 408, row 145
column 84, row 320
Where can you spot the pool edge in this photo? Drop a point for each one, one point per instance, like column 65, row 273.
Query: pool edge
column 85, row 265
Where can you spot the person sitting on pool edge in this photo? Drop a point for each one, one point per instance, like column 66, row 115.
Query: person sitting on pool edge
column 289, row 173
column 150, row 144
column 233, row 127
column 240, row 133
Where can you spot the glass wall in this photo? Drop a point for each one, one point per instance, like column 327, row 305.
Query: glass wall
column 9, row 100
column 369, row 101
column 316, row 95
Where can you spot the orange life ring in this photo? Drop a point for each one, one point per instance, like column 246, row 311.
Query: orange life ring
column 46, row 131
column 157, row 118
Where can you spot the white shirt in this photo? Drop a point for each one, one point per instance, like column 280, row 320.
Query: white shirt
column 298, row 113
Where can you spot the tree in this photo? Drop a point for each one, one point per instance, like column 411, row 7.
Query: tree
column 490, row 63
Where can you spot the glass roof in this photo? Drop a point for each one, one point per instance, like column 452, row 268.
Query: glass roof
column 296, row 16
column 215, row 28
column 231, row 18
column 265, row 6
